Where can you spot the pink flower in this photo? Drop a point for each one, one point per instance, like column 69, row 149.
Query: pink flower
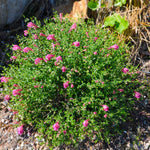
column 85, row 46
column 16, row 92
column 76, row 43
column 35, row 45
column 73, row 27
column 114, row 92
column 37, row 60
column 27, row 49
column 95, row 53
column 41, row 34
column 7, row 97
column 114, row 46
column 102, row 82
column 94, row 113
column 137, row 94
column 85, row 123
column 15, row 112
column 51, row 37
column 96, row 81
column 14, row 57
column 63, row 68
column 4, row 79
column 64, row 132
column 87, row 34
column 16, row 47
column 20, row 130
column 107, row 55
column 105, row 107
column 55, row 63
column 66, row 84
column 9, row 109
column 49, row 56
column 95, row 38
column 125, row 70
column 53, row 45
column 25, row 32
column 72, row 86
column 60, row 15
column 36, row 86
column 58, row 58
column 120, row 90
column 32, row 25
column 42, row 86
column 56, row 126
column 16, row 122
column 62, row 30
column 105, row 115
column 35, row 36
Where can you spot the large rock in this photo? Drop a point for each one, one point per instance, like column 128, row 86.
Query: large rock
column 12, row 10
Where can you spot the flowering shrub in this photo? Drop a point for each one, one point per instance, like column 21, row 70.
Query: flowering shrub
column 71, row 81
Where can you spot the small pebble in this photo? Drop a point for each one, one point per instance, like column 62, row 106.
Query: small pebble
column 146, row 146
column 3, row 120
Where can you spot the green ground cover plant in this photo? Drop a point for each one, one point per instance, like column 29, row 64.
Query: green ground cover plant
column 70, row 81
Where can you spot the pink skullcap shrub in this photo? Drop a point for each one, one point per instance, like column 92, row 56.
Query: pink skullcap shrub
column 67, row 87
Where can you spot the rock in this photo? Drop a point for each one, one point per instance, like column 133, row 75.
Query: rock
column 147, row 146
column 12, row 10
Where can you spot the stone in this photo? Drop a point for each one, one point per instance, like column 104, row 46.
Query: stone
column 11, row 10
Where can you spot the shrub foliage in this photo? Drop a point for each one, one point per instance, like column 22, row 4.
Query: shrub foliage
column 70, row 81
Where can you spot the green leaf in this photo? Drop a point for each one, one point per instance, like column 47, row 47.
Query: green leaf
column 110, row 21
column 123, row 25
column 116, row 21
column 93, row 5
